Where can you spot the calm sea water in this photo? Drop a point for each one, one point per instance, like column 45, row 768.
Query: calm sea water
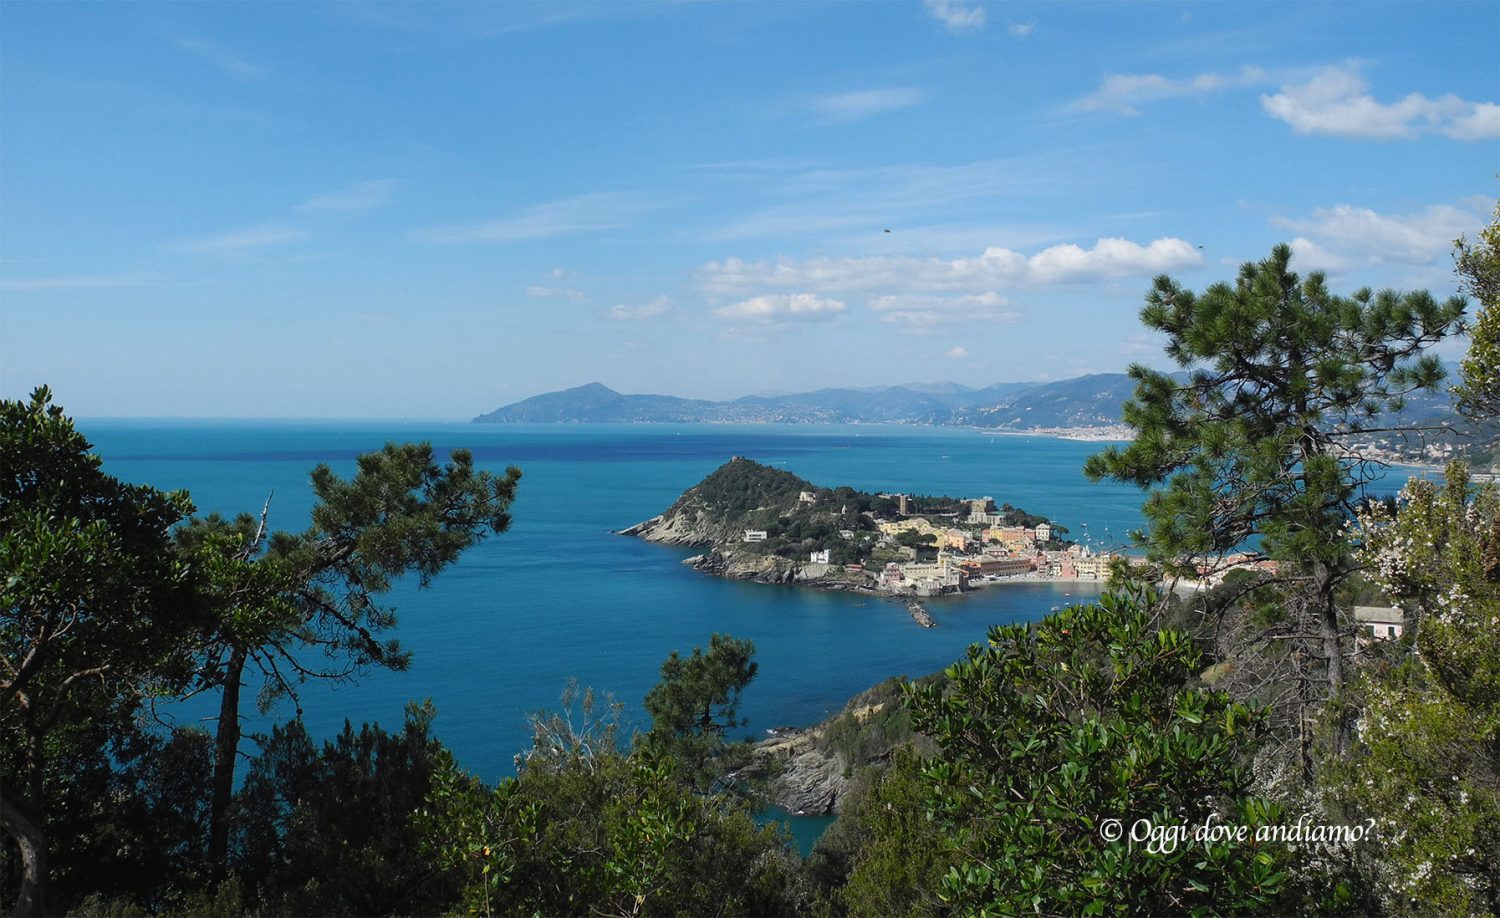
column 560, row 596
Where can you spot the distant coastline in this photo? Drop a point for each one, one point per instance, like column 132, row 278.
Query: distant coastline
column 1111, row 433
column 1084, row 402
column 1084, row 408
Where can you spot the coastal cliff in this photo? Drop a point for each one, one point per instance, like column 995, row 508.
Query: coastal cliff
column 810, row 772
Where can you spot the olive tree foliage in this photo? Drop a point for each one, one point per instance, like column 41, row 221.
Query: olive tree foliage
column 309, row 605
column 1259, row 434
column 1427, row 764
column 1048, row 732
column 1478, row 266
column 93, row 609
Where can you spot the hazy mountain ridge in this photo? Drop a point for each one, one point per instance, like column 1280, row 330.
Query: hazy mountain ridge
column 1088, row 401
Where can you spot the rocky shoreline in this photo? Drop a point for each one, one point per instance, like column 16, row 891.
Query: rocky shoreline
column 812, row 771
column 792, row 772
column 683, row 530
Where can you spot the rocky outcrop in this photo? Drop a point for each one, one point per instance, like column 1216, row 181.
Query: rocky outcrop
column 810, row 772
column 808, row 781
column 761, row 568
column 682, row 528
column 920, row 613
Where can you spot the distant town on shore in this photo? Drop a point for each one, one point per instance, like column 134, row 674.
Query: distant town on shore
column 1083, row 407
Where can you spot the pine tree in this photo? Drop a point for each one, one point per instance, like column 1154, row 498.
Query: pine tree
column 1256, row 443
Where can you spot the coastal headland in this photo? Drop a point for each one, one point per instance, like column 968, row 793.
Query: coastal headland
column 770, row 526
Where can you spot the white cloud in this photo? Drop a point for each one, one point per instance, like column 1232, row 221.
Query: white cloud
column 855, row 106
column 567, row 293
column 647, row 310
column 227, row 61
column 240, row 242
column 1482, row 123
column 584, row 213
column 1021, row 29
column 927, row 313
column 1344, row 233
column 1337, row 102
column 958, row 353
column 1309, row 256
column 356, row 198
column 994, row 269
column 1122, row 93
column 82, row 281
column 957, row 17
column 780, row 306
column 1110, row 257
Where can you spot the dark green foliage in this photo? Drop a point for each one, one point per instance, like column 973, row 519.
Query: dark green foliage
column 93, row 610
column 740, row 486
column 1478, row 266
column 1015, row 516
column 1050, row 730
column 606, row 834
column 884, row 856
column 329, row 831
column 127, row 814
column 913, row 539
column 697, row 701
column 918, row 504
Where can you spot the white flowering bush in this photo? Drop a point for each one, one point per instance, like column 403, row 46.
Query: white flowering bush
column 1426, row 769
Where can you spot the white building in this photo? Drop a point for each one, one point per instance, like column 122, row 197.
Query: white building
column 1383, row 623
column 819, row 557
column 755, row 535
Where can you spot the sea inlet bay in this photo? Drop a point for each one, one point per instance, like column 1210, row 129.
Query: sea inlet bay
column 561, row 596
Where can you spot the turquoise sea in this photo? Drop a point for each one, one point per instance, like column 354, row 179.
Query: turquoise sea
column 560, row 596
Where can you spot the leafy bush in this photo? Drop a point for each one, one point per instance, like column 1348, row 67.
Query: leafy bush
column 1049, row 731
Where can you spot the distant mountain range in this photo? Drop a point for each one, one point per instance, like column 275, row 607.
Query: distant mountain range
column 1085, row 401
column 1092, row 401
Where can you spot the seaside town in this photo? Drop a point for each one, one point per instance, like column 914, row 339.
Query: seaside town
column 979, row 548
column 951, row 552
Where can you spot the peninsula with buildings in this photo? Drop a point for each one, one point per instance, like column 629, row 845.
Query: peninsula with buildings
column 768, row 525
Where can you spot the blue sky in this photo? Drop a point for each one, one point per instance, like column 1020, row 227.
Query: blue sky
column 431, row 210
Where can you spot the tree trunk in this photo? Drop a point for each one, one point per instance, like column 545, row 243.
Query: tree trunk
column 1328, row 629
column 226, row 753
column 31, row 899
